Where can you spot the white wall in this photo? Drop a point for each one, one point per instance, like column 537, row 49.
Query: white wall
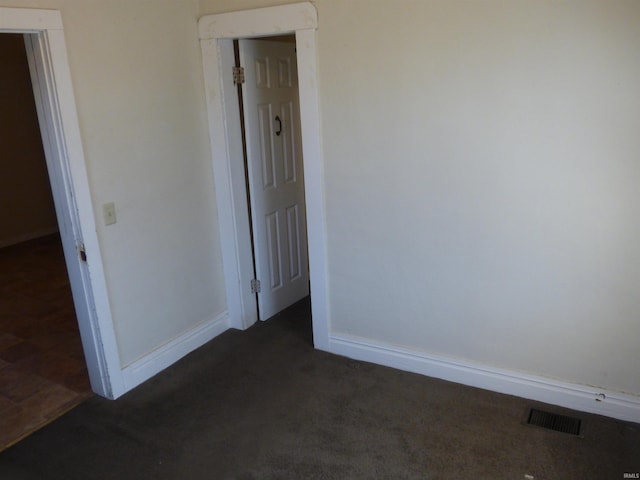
column 138, row 84
column 481, row 164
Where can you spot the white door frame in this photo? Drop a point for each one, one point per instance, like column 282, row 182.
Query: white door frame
column 217, row 33
column 55, row 102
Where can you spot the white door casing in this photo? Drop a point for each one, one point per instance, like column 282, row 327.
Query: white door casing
column 55, row 103
column 216, row 39
column 276, row 181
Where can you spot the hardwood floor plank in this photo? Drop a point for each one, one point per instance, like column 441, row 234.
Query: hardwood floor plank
column 42, row 367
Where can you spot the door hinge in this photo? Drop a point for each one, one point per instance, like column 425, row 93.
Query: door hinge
column 82, row 252
column 238, row 75
column 255, row 286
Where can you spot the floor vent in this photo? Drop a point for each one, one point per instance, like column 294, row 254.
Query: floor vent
column 553, row 421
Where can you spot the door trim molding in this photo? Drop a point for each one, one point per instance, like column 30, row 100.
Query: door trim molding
column 60, row 130
column 216, row 39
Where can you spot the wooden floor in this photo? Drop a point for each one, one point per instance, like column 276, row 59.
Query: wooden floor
column 42, row 368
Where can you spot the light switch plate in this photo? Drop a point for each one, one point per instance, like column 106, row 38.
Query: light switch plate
column 109, row 213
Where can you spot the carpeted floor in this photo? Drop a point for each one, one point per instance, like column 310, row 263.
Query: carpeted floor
column 264, row 404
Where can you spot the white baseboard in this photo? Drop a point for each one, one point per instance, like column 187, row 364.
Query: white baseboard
column 7, row 242
column 578, row 397
column 169, row 353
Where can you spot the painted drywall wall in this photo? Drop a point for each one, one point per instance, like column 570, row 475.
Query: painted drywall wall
column 26, row 205
column 137, row 76
column 481, row 163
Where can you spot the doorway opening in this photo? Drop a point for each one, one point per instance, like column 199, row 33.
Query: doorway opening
column 268, row 101
column 217, row 33
column 43, row 35
column 43, row 371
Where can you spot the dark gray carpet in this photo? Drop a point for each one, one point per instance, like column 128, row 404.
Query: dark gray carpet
column 264, row 404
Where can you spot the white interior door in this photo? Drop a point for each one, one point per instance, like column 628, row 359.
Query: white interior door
column 276, row 184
